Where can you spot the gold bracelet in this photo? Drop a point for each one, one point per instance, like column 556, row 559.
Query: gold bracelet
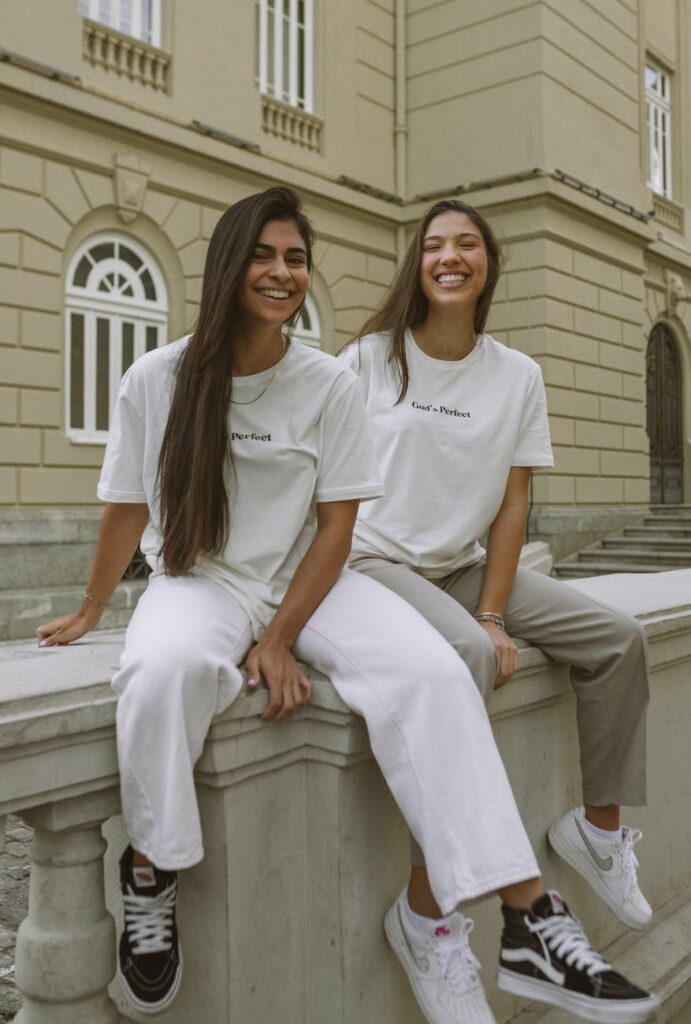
column 490, row 617
column 95, row 601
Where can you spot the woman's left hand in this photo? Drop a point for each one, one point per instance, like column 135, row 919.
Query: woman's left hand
column 288, row 687
column 507, row 652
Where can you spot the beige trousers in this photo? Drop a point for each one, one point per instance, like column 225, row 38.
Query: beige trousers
column 605, row 649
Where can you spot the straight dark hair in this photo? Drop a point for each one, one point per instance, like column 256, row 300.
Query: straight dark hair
column 405, row 304
column 194, row 457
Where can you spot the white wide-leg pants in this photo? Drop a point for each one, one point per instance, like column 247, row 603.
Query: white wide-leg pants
column 427, row 724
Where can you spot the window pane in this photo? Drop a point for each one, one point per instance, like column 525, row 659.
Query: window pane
column 76, row 371
column 125, row 17
column 146, row 20
column 151, row 338
column 127, row 345
column 82, row 272
column 650, row 77
column 104, row 251
column 149, row 290
column 130, row 257
column 102, row 363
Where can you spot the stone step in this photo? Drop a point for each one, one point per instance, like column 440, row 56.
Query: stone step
column 576, row 570
column 657, row 531
column 639, row 554
column 23, row 610
column 644, row 543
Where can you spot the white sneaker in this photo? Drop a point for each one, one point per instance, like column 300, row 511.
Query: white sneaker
column 609, row 866
column 441, row 969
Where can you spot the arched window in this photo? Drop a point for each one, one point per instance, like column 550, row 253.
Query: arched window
column 308, row 328
column 116, row 309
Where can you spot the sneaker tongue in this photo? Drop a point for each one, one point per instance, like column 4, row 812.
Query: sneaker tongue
column 549, row 904
column 144, row 876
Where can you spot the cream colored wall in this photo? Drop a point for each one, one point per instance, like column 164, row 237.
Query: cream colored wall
column 474, row 103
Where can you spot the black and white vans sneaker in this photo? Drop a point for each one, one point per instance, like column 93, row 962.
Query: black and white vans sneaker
column 149, row 956
column 545, row 955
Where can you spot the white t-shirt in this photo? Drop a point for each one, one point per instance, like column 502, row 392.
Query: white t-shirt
column 445, row 452
column 304, row 441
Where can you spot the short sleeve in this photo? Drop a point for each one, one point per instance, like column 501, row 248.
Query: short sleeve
column 533, row 447
column 122, row 475
column 347, row 463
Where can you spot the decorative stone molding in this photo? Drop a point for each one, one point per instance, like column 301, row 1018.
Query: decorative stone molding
column 125, row 56
column 675, row 291
column 668, row 213
column 291, row 123
column 129, row 185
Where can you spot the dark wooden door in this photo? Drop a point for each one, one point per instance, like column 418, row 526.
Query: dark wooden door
column 664, row 391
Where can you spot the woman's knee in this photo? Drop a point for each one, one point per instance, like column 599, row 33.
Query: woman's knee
column 162, row 671
column 480, row 656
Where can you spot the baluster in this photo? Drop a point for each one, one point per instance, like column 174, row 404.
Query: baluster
column 65, row 956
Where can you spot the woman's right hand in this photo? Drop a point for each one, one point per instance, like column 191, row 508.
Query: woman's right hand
column 68, row 627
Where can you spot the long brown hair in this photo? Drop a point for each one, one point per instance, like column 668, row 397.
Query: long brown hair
column 194, row 458
column 405, row 304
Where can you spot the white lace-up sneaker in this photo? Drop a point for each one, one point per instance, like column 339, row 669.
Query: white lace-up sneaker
column 441, row 968
column 608, row 866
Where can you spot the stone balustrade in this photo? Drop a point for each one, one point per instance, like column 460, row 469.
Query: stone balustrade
column 304, row 846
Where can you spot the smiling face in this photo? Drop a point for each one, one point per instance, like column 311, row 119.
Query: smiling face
column 453, row 264
column 277, row 275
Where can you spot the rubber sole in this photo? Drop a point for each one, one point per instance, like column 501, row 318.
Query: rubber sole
column 580, row 863
column 151, row 1008
column 623, row 1011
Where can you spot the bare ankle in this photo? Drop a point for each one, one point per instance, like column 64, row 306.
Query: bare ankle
column 140, row 861
column 606, row 818
column 522, row 895
column 420, row 898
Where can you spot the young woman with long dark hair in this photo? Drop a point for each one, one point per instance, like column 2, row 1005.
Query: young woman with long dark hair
column 460, row 421
column 247, row 454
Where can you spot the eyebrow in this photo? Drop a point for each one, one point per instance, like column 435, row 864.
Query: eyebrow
column 440, row 238
column 270, row 248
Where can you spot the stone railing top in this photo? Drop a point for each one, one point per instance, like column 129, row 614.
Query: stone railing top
column 57, row 709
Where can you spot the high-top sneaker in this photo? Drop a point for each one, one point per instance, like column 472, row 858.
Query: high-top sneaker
column 149, row 955
column 441, row 968
column 608, row 865
column 545, row 955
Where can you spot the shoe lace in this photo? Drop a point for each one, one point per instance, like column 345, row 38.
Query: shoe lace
column 149, row 920
column 565, row 937
column 458, row 964
column 628, row 859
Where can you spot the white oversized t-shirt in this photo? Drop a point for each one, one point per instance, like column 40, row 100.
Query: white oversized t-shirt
column 446, row 451
column 304, row 441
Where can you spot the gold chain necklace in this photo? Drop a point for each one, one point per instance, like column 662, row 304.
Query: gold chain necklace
column 234, row 401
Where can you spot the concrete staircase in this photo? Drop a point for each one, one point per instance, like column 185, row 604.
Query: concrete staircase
column 45, row 556
column 660, row 541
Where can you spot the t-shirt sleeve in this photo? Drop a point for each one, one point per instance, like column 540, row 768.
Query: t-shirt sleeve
column 122, row 475
column 347, row 463
column 533, row 447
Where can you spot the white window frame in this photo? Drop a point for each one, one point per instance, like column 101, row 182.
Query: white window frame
column 286, row 33
column 658, row 116
column 114, row 13
column 145, row 316
column 311, row 335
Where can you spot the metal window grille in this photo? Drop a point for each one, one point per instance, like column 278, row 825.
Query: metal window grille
column 285, row 32
column 116, row 310
column 307, row 327
column 658, row 113
column 140, row 19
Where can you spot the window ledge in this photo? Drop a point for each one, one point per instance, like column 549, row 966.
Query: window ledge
column 125, row 56
column 291, row 123
column 668, row 213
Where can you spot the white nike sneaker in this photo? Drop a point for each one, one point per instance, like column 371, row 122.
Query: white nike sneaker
column 608, row 866
column 441, row 968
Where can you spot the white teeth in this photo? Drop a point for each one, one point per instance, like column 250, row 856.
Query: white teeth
column 274, row 294
column 451, row 278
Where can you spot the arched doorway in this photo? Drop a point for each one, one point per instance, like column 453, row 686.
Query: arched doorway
column 664, row 417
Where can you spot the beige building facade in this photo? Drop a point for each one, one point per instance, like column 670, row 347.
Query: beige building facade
column 128, row 126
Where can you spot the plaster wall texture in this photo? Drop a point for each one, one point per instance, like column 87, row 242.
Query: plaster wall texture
column 412, row 98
